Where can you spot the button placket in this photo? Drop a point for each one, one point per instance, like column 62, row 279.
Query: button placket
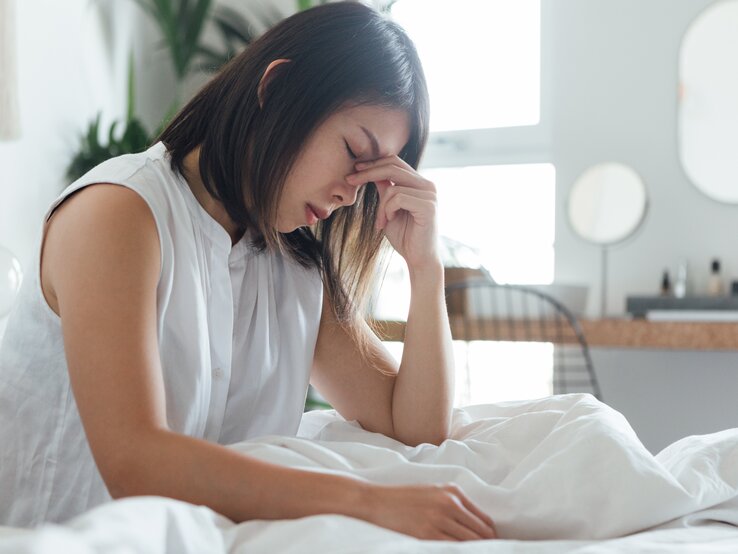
column 220, row 329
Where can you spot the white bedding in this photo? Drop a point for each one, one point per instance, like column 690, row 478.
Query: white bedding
column 566, row 471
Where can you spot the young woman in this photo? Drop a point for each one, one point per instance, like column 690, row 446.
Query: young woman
column 185, row 295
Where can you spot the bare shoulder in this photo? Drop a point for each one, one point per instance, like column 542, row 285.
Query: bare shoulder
column 104, row 229
column 94, row 204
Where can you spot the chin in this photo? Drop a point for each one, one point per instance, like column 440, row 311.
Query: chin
column 285, row 228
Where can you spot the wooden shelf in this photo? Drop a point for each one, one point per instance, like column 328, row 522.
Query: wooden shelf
column 672, row 335
column 608, row 333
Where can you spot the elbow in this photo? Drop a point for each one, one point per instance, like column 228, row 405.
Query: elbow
column 438, row 438
column 435, row 437
column 417, row 432
column 128, row 471
column 120, row 479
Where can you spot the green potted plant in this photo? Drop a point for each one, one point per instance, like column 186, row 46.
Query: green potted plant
column 133, row 138
column 181, row 23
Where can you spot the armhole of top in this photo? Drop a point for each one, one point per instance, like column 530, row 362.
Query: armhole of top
column 47, row 221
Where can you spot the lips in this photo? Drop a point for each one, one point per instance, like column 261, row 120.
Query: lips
column 314, row 214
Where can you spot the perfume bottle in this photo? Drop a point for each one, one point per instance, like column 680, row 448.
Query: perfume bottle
column 665, row 284
column 680, row 284
column 715, row 282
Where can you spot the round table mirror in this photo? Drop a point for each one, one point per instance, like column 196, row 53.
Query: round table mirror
column 607, row 203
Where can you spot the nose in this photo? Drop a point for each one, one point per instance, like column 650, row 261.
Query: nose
column 346, row 194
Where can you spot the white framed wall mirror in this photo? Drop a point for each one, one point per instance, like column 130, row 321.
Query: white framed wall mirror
column 708, row 109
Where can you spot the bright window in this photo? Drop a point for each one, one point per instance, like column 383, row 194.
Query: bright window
column 498, row 371
column 487, row 155
column 482, row 60
column 505, row 213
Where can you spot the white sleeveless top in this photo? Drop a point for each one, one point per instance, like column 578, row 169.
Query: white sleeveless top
column 236, row 329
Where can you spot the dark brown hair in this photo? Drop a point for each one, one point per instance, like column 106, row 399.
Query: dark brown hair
column 341, row 54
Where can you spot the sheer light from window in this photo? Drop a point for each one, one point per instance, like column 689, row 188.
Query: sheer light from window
column 482, row 60
column 506, row 213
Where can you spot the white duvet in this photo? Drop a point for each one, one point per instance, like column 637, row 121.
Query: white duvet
column 567, row 471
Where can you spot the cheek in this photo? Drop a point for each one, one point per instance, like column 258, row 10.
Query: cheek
column 319, row 171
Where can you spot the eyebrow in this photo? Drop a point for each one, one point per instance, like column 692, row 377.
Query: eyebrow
column 373, row 140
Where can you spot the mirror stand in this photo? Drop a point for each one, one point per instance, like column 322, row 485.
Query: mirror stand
column 603, row 281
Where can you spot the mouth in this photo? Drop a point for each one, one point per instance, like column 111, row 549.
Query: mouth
column 314, row 214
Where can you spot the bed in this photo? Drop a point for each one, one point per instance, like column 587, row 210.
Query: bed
column 558, row 474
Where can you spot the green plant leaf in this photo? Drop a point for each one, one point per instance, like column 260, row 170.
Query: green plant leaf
column 193, row 30
column 145, row 6
column 93, row 144
column 233, row 26
column 92, row 152
column 211, row 60
column 131, row 99
column 111, row 132
column 165, row 17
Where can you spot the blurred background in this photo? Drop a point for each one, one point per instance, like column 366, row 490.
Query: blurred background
column 588, row 148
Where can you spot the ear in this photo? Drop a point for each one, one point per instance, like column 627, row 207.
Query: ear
column 268, row 76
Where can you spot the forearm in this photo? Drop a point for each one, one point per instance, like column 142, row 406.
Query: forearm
column 235, row 485
column 423, row 393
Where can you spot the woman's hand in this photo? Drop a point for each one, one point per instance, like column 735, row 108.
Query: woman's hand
column 407, row 208
column 431, row 512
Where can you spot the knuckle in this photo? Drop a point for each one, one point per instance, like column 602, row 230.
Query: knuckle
column 452, row 487
column 448, row 503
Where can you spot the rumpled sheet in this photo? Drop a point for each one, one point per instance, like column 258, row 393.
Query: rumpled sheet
column 567, row 471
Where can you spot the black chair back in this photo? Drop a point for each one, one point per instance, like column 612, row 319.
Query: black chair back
column 481, row 309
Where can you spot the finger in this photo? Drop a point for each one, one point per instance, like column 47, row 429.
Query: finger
column 396, row 174
column 474, row 509
column 445, row 537
column 460, row 531
column 468, row 519
column 382, row 189
column 420, row 209
column 396, row 160
column 395, row 190
column 387, row 189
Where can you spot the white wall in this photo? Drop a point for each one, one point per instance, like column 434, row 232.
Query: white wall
column 615, row 71
column 70, row 67
column 615, row 99
column 667, row 395
column 71, row 64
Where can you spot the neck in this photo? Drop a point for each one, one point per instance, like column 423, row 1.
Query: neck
column 212, row 206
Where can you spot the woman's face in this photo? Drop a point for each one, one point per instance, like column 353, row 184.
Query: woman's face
column 316, row 185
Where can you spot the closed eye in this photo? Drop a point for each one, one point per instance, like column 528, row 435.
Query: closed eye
column 350, row 152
